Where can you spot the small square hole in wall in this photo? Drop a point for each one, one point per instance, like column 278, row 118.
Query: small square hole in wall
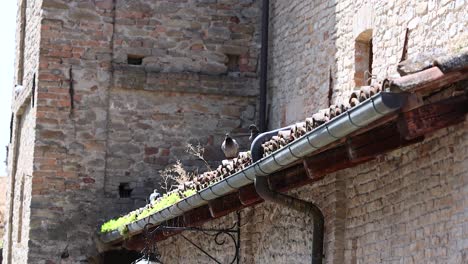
column 124, row 190
column 233, row 63
column 135, row 59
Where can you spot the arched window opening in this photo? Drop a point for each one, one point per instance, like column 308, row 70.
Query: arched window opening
column 363, row 58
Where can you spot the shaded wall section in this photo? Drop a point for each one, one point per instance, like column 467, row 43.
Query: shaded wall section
column 183, row 72
column 121, row 89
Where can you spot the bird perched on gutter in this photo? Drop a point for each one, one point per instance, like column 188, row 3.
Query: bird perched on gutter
column 154, row 196
column 230, row 147
column 253, row 132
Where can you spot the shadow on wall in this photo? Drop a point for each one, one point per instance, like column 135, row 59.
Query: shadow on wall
column 118, row 257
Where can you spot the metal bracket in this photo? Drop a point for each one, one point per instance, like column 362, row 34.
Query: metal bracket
column 220, row 237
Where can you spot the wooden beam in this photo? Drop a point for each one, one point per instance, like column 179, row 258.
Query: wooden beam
column 358, row 149
column 428, row 80
column 197, row 216
column 225, row 205
column 429, row 118
column 290, row 178
column 316, row 167
column 367, row 146
column 248, row 195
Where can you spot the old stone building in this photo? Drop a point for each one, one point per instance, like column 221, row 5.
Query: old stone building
column 112, row 90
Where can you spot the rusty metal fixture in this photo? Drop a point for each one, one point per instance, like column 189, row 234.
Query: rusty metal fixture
column 220, row 236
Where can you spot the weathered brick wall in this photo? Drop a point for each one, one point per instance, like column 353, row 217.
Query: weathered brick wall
column 408, row 206
column 269, row 233
column 21, row 147
column 98, row 122
column 302, row 56
column 311, row 38
column 149, row 130
column 196, row 81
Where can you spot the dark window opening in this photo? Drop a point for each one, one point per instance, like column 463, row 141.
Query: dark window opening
column 135, row 59
column 363, row 59
column 233, row 63
column 124, row 190
column 22, row 43
column 33, row 92
column 20, row 212
column 11, row 127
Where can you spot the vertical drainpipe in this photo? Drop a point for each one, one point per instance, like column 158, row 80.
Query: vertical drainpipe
column 264, row 66
column 263, row 189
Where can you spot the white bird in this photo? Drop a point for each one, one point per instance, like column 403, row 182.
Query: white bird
column 230, row 147
column 18, row 89
column 154, row 196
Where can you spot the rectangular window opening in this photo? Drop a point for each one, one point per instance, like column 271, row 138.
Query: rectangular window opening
column 20, row 211
column 233, row 62
column 22, row 43
column 124, row 190
column 135, row 59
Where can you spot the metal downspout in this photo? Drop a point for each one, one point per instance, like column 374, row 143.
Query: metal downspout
column 263, row 189
column 264, row 66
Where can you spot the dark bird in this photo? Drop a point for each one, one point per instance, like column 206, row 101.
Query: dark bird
column 230, row 147
column 253, row 132
column 154, row 196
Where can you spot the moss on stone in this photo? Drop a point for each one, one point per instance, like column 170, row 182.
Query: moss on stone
column 121, row 223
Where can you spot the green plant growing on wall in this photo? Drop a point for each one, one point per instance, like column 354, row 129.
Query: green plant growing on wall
column 141, row 213
column 175, row 182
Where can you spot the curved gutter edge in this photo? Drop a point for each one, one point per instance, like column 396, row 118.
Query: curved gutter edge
column 348, row 122
column 338, row 128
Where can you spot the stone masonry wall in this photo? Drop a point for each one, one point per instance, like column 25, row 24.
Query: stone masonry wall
column 100, row 119
column 269, row 233
column 408, row 206
column 192, row 78
column 196, row 81
column 21, row 147
column 18, row 197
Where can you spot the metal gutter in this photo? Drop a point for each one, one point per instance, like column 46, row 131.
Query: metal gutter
column 358, row 117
